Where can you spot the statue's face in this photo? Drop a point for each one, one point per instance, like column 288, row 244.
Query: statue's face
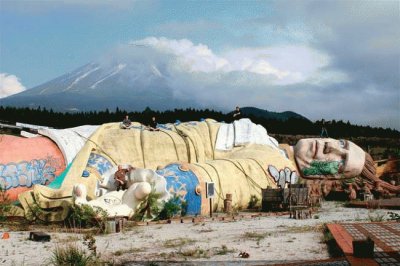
column 329, row 158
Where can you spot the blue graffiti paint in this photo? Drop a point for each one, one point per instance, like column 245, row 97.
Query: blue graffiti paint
column 95, row 161
column 98, row 162
column 26, row 174
column 183, row 184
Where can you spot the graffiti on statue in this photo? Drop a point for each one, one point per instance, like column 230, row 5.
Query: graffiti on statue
column 98, row 162
column 283, row 176
column 27, row 174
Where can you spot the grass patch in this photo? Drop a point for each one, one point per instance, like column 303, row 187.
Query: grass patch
column 376, row 216
column 177, row 242
column 393, row 217
column 300, row 229
column 69, row 238
column 85, row 216
column 195, row 253
column 223, row 250
column 125, row 251
column 205, row 230
column 358, row 218
column 71, row 254
column 255, row 236
column 340, row 204
column 333, row 249
column 5, row 204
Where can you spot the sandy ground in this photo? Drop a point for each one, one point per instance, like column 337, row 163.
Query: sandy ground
column 266, row 239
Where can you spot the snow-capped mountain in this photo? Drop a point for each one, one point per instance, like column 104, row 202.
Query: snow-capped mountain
column 96, row 86
column 133, row 77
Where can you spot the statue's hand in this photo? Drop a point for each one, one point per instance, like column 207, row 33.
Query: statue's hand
column 157, row 182
column 79, row 193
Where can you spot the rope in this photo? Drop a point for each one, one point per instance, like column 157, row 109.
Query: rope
column 254, row 183
column 242, row 170
column 186, row 142
column 219, row 180
column 211, row 143
column 209, row 175
column 265, row 171
column 193, row 143
column 97, row 146
column 141, row 146
column 173, row 141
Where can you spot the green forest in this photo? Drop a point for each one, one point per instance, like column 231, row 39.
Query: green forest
column 291, row 126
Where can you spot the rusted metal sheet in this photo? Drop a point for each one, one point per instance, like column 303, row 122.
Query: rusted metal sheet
column 385, row 235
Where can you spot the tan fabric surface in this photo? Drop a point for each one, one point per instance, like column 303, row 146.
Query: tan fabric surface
column 242, row 171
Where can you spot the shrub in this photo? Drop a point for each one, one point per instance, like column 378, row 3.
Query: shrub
column 171, row 208
column 329, row 240
column 148, row 209
column 178, row 242
column 90, row 241
column 71, row 254
column 5, row 204
column 393, row 216
column 223, row 250
column 376, row 217
column 253, row 202
column 86, row 216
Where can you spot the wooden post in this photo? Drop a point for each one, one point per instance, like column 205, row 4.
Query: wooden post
column 211, row 212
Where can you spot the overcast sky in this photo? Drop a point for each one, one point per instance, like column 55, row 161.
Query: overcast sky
column 322, row 59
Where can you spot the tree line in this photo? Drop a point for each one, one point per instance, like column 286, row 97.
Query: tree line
column 291, row 126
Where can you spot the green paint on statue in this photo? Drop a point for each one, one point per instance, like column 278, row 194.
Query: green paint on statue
column 322, row 168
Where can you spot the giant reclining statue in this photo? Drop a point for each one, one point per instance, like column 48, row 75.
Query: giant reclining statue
column 179, row 160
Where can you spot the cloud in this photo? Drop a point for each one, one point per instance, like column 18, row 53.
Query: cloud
column 287, row 64
column 299, row 78
column 361, row 80
column 362, row 37
column 9, row 85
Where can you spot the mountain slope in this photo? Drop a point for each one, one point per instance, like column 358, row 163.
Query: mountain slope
column 270, row 115
column 98, row 86
column 130, row 84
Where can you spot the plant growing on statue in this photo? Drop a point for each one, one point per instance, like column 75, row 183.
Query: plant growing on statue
column 149, row 208
column 5, row 204
column 35, row 213
column 253, row 202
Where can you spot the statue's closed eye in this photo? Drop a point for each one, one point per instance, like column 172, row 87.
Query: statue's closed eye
column 342, row 143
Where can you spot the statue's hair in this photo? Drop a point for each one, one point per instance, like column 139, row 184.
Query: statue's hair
column 369, row 170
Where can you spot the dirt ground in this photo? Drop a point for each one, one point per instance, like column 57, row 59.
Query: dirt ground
column 273, row 239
